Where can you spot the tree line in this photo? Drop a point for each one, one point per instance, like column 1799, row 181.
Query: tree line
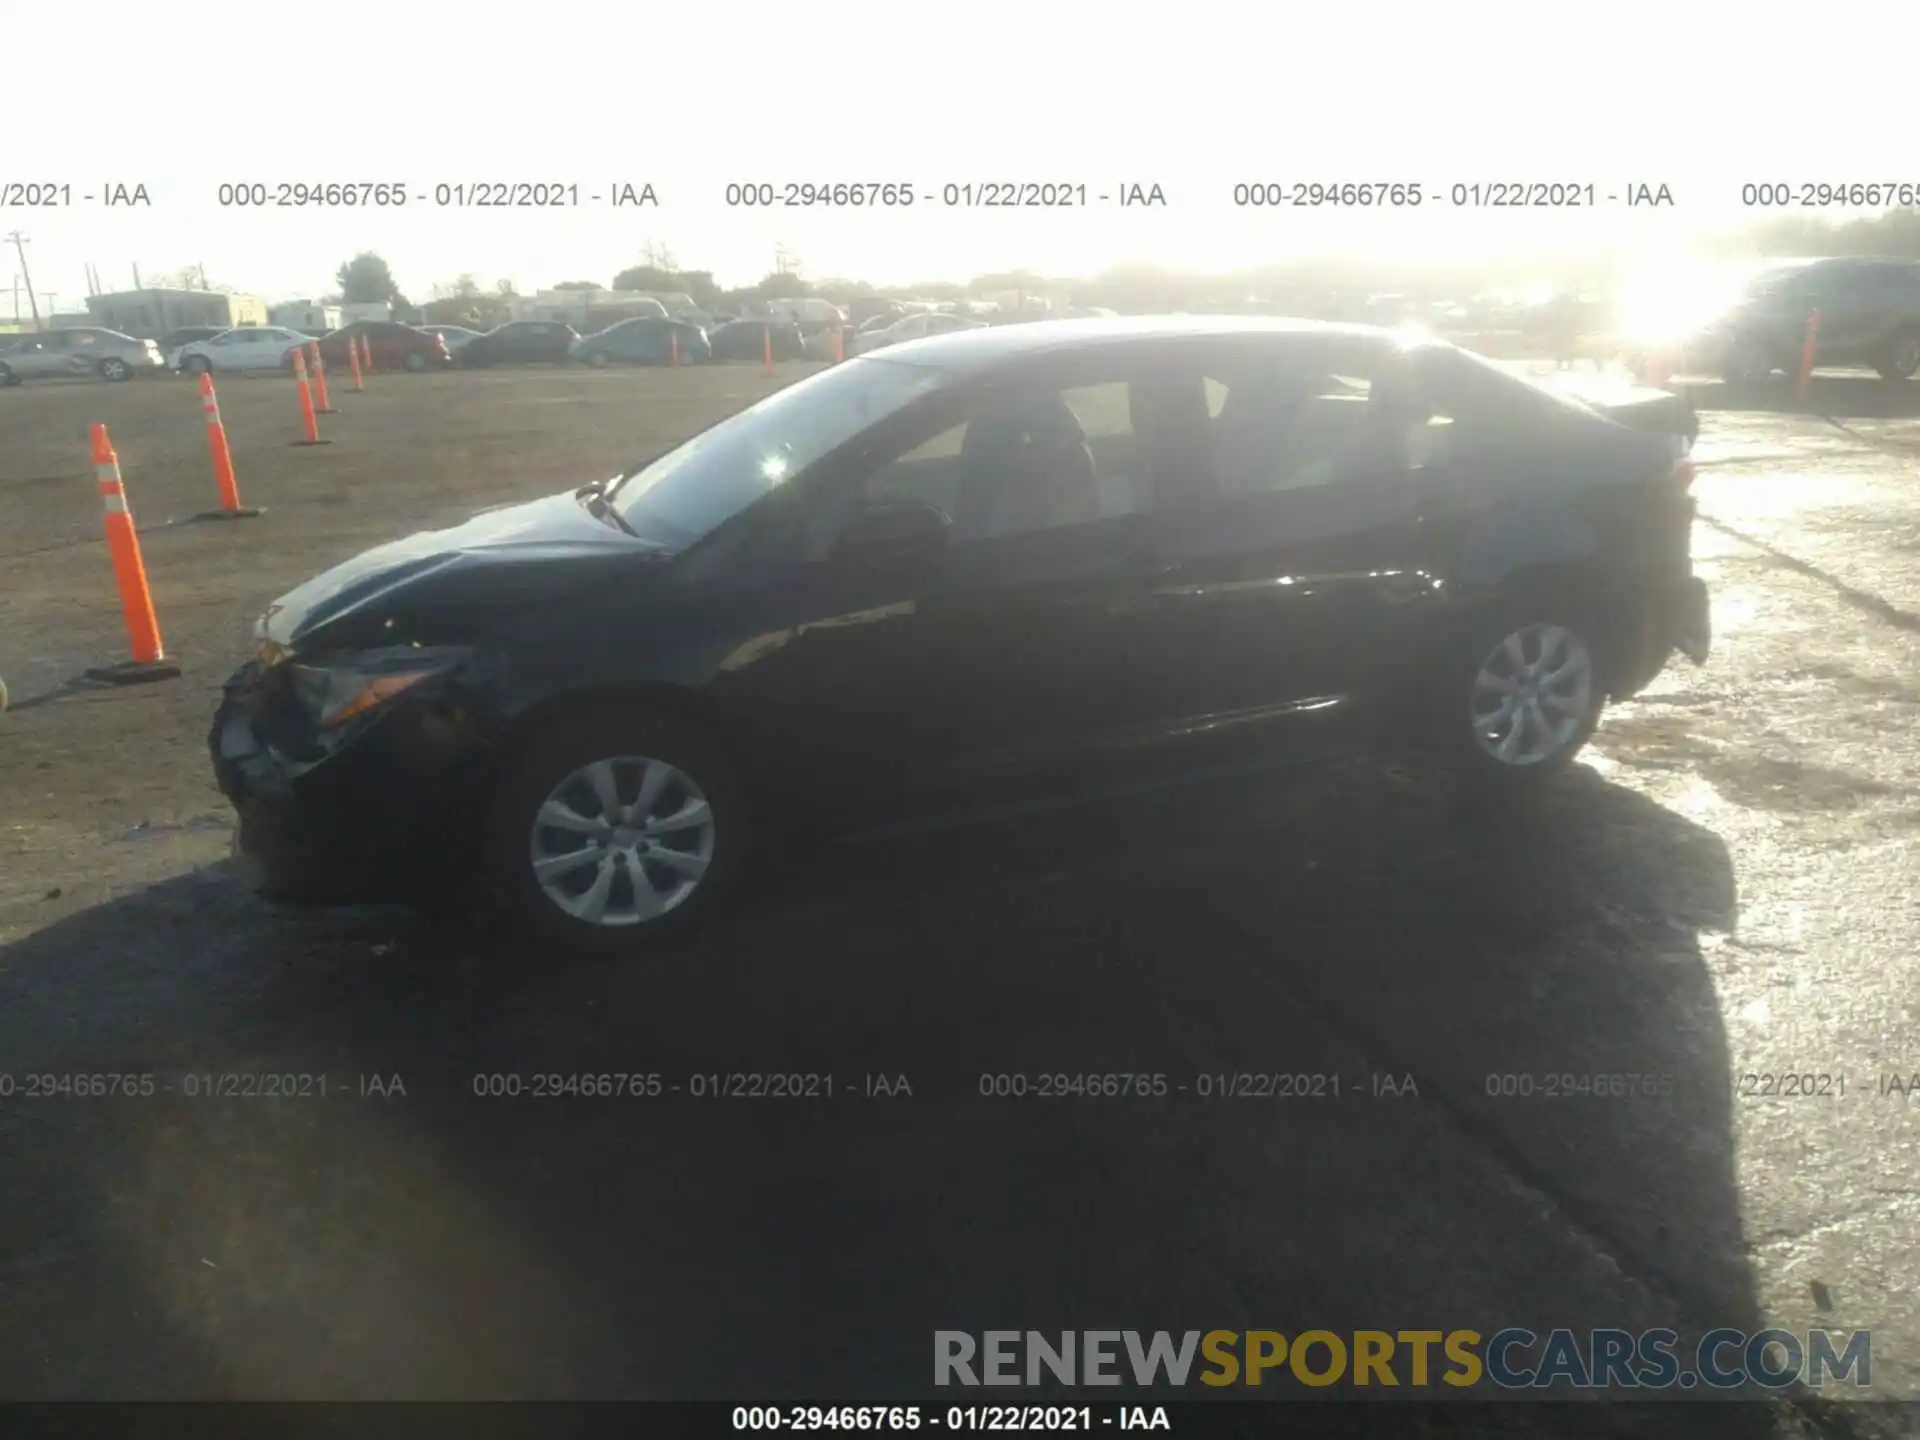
column 368, row 278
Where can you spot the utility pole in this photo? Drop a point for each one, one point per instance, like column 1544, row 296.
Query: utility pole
column 20, row 249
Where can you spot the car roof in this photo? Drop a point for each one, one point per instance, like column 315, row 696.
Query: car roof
column 983, row 347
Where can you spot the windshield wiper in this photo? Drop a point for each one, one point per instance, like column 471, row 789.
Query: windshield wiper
column 594, row 497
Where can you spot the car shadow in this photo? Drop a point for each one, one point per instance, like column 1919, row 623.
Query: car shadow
column 1863, row 396
column 1351, row 923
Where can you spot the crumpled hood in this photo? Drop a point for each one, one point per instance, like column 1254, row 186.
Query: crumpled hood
column 443, row 586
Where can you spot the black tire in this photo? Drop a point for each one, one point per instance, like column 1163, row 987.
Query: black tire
column 197, row 365
column 113, row 368
column 558, row 752
column 1902, row 358
column 415, row 361
column 597, row 359
column 1470, row 745
column 7, row 377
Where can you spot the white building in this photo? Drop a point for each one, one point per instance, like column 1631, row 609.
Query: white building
column 355, row 311
column 309, row 317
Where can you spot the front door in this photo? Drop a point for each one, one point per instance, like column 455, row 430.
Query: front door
column 1011, row 647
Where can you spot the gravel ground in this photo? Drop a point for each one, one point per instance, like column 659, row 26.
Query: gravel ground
column 1727, row 887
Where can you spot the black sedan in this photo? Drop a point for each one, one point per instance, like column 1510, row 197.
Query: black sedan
column 1050, row 550
column 748, row 340
column 519, row 342
column 644, row 341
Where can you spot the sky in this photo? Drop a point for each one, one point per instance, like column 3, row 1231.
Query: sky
column 1700, row 98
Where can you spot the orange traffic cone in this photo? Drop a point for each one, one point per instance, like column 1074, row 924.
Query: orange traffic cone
column 766, row 335
column 223, row 476
column 353, row 359
column 839, row 344
column 130, row 573
column 1803, row 382
column 308, row 424
column 322, row 405
column 366, row 353
column 673, row 348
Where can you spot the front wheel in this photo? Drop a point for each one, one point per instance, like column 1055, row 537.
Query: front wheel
column 614, row 829
column 1526, row 698
column 198, row 365
column 1902, row 359
column 598, row 359
column 114, row 368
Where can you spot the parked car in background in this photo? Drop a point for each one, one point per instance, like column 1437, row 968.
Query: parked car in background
column 747, row 340
column 1869, row 315
column 393, row 346
column 913, row 327
column 826, row 342
column 171, row 342
column 454, row 335
column 809, row 310
column 589, row 700
column 643, row 341
column 520, row 342
column 251, row 347
column 863, row 309
column 85, row 350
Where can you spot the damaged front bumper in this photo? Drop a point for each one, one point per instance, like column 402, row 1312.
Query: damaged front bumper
column 388, row 808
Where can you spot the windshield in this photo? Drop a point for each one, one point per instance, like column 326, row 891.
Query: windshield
column 690, row 491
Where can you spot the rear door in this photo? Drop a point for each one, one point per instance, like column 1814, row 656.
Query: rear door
column 79, row 350
column 1300, row 566
column 1853, row 303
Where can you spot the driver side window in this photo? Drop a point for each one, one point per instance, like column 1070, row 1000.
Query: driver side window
column 1030, row 460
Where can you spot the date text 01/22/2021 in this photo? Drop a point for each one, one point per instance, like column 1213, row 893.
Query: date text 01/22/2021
column 1071, row 1418
column 951, row 195
column 1462, row 195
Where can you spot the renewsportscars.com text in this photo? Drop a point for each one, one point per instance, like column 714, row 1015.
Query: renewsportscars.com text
column 1511, row 1359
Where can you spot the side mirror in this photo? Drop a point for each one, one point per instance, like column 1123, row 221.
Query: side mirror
column 900, row 531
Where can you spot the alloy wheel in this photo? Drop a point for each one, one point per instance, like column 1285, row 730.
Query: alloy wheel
column 1532, row 695
column 622, row 841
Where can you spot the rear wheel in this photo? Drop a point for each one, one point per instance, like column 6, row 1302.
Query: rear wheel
column 1902, row 358
column 614, row 829
column 7, row 377
column 197, row 365
column 598, row 359
column 114, row 368
column 415, row 361
column 1526, row 696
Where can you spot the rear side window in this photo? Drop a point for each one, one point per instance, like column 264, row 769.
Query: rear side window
column 1303, row 428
